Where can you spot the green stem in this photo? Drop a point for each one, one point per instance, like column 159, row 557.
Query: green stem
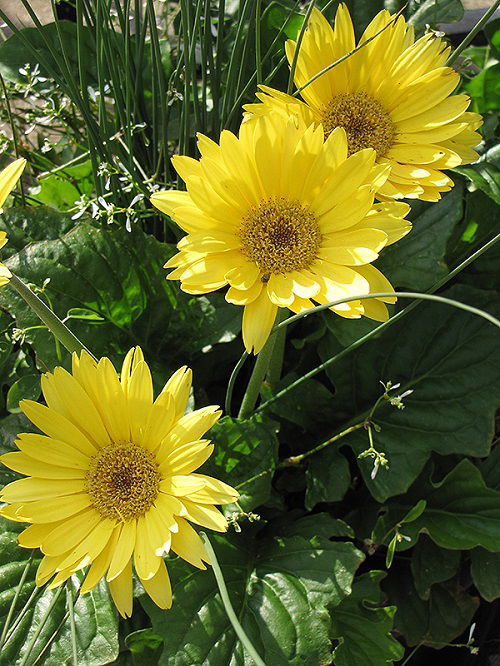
column 298, row 43
column 259, row 372
column 228, row 607
column 49, row 318
column 276, row 362
column 295, row 460
column 232, row 381
column 398, row 294
column 14, row 601
column 70, row 602
column 43, row 621
column 468, row 39
column 258, row 54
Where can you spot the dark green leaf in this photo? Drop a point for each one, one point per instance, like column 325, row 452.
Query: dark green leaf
column 25, row 225
column 327, row 477
column 431, row 564
column 485, row 570
column 461, row 512
column 143, row 640
column 318, row 524
column 485, row 173
column 26, row 388
column 279, row 590
column 10, row 427
column 245, row 456
column 492, row 32
column 417, row 261
column 435, row 622
column 451, row 360
column 437, row 11
column 363, row 628
column 95, row 616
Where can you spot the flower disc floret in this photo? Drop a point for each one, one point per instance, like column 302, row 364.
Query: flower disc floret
column 123, row 481
column 367, row 124
column 280, row 236
column 394, row 94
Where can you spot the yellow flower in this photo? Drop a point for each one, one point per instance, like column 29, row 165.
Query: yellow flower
column 114, row 478
column 8, row 178
column 393, row 95
column 282, row 216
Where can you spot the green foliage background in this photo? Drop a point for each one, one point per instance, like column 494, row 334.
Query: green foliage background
column 324, row 563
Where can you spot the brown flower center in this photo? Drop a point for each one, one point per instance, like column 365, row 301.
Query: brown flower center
column 122, row 481
column 366, row 122
column 280, row 236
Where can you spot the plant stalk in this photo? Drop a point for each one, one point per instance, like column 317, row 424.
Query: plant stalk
column 60, row 331
column 228, row 607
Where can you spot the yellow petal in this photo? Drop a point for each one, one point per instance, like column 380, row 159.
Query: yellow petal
column 258, row 320
column 26, row 490
column 24, row 464
column 146, row 562
column 179, row 386
column 205, row 515
column 52, row 451
column 101, row 563
column 121, row 591
column 214, row 492
column 123, row 549
column 55, row 509
column 185, row 459
column 70, row 533
column 187, row 544
column 9, row 177
column 159, row 588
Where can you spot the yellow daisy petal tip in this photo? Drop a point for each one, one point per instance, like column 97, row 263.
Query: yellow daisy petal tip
column 9, row 177
column 73, row 494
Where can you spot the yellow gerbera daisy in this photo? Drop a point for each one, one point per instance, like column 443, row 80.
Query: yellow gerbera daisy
column 8, row 178
column 393, row 95
column 114, row 478
column 282, row 216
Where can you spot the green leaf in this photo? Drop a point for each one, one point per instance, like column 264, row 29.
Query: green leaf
column 307, row 409
column 490, row 469
column 279, row 591
column 60, row 190
column 485, row 89
column 143, row 640
column 318, row 524
column 26, row 388
column 417, row 261
column 245, row 457
column 485, row 173
column 435, row 622
column 485, row 570
column 328, row 477
column 461, row 511
column 492, row 32
column 25, row 225
column 431, row 564
column 437, row 11
column 95, row 615
column 451, row 360
column 10, row 427
column 363, row 628
column 14, row 55
column 117, row 275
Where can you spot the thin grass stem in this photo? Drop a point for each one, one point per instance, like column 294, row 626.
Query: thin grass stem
column 468, row 38
column 15, row 598
column 39, row 629
column 298, row 43
column 232, row 382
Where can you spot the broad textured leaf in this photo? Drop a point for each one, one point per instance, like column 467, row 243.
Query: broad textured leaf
column 26, row 387
column 95, row 615
column 119, row 276
column 431, row 564
column 10, row 427
column 485, row 570
column 279, row 591
column 437, row 11
column 417, row 261
column 309, row 409
column 363, row 627
column 451, row 360
column 435, row 622
column 318, row 524
column 461, row 511
column 485, row 173
column 328, row 477
column 25, row 225
column 245, row 456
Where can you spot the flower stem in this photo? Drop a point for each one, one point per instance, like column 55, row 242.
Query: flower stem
column 295, row 460
column 468, row 38
column 259, row 372
column 60, row 331
column 228, row 607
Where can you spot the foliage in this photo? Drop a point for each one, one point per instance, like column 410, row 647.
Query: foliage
column 121, row 93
